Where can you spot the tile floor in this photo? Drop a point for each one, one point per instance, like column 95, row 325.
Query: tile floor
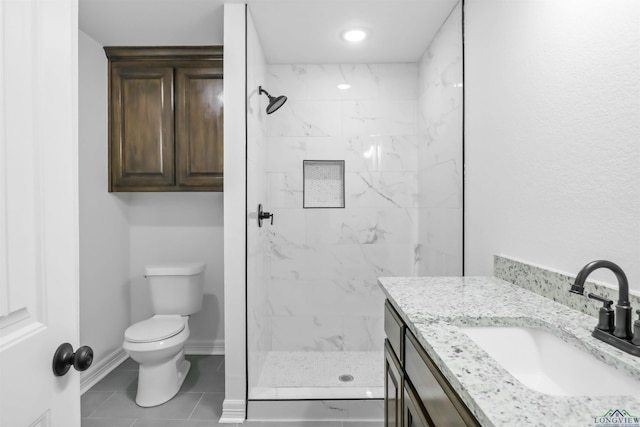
column 111, row 402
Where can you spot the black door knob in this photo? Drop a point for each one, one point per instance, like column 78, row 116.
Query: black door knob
column 64, row 358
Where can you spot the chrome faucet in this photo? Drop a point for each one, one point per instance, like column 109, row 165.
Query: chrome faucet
column 621, row 335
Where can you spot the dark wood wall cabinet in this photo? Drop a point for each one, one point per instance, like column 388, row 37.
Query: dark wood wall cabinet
column 416, row 392
column 165, row 118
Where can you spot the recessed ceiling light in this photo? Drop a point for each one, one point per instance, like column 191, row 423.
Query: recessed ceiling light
column 354, row 35
column 344, row 86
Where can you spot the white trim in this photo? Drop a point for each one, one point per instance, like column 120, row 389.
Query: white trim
column 4, row 251
column 204, row 347
column 100, row 370
column 352, row 410
column 233, row 411
column 235, row 209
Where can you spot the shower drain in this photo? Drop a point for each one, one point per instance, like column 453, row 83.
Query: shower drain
column 345, row 378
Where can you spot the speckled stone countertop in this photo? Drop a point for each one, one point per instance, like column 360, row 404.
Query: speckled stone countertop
column 434, row 307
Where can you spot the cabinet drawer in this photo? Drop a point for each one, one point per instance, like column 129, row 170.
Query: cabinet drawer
column 442, row 404
column 393, row 328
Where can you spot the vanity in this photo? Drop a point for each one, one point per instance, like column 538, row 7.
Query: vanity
column 416, row 392
column 439, row 373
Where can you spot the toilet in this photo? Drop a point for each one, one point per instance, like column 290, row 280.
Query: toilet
column 157, row 344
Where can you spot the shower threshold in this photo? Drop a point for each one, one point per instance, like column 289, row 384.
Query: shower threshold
column 321, row 375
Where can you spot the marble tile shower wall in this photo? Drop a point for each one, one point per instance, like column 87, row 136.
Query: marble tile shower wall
column 323, row 264
column 439, row 252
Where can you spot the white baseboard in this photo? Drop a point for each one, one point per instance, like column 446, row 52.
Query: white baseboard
column 204, row 347
column 101, row 369
column 347, row 410
column 233, row 411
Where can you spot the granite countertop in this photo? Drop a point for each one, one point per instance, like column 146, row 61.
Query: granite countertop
column 434, row 307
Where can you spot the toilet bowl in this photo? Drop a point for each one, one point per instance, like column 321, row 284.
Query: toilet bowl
column 157, row 344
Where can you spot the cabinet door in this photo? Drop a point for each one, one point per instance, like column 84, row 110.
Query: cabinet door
column 199, row 132
column 393, row 388
column 413, row 414
column 141, row 140
column 432, row 390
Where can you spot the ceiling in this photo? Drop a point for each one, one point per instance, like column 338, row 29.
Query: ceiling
column 293, row 31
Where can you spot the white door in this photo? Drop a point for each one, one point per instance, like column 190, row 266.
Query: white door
column 38, row 211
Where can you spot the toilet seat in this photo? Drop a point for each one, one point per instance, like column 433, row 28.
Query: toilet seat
column 155, row 329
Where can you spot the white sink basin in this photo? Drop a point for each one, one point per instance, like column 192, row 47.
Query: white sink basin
column 545, row 363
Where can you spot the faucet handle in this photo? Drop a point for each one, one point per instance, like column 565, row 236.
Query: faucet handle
column 607, row 302
column 636, row 331
column 605, row 316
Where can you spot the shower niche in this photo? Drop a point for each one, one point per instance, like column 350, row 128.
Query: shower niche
column 323, row 184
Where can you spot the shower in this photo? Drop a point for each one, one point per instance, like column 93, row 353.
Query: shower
column 314, row 310
column 275, row 102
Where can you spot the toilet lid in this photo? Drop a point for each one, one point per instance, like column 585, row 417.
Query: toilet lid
column 154, row 329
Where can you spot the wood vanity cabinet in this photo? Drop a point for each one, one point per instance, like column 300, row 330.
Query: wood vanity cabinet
column 165, row 118
column 426, row 399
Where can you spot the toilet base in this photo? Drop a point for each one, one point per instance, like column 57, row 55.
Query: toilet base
column 157, row 384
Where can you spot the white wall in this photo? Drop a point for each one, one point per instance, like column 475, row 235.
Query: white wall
column 104, row 228
column 552, row 133
column 180, row 227
column 440, row 168
column 235, row 209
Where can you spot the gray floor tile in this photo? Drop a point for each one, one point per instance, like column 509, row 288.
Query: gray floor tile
column 177, row 423
column 117, row 381
column 209, row 407
column 90, row 400
column 106, row 422
column 203, row 381
column 128, row 365
column 122, row 405
column 363, row 423
column 205, row 363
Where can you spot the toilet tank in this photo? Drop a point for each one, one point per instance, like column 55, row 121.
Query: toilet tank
column 176, row 288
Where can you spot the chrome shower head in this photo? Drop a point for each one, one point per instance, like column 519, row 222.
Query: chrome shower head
column 275, row 102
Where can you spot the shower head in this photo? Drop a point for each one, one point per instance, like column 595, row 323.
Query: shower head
column 275, row 102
